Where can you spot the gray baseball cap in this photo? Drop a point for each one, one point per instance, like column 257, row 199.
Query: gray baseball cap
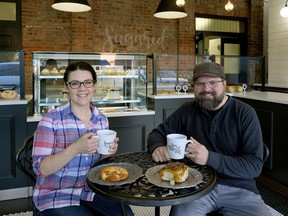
column 208, row 69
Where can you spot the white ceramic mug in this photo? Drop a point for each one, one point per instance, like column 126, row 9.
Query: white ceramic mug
column 105, row 139
column 176, row 145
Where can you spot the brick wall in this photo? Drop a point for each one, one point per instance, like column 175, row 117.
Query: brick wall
column 124, row 26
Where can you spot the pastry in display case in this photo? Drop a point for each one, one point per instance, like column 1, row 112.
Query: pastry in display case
column 12, row 75
column 113, row 93
column 120, row 85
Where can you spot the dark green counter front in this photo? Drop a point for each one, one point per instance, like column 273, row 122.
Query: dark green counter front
column 12, row 133
column 132, row 130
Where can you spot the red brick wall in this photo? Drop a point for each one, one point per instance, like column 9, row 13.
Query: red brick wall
column 124, row 26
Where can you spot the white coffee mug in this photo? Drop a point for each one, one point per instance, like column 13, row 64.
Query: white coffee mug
column 176, row 145
column 105, row 139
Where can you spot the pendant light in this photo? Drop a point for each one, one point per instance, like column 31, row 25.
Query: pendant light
column 168, row 9
column 71, row 5
column 284, row 10
column 229, row 6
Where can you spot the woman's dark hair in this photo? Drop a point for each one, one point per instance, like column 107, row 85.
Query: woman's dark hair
column 79, row 66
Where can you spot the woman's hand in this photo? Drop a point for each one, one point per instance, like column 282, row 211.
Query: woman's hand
column 114, row 147
column 87, row 144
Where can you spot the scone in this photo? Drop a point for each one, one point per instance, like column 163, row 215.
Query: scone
column 113, row 174
column 45, row 71
column 8, row 94
column 62, row 71
column 54, row 71
column 231, row 89
column 174, row 172
column 239, row 89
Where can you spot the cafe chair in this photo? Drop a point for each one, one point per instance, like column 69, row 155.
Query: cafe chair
column 24, row 159
column 266, row 152
column 25, row 163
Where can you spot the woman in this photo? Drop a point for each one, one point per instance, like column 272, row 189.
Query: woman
column 64, row 151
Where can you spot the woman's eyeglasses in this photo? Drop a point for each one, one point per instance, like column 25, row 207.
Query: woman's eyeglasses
column 211, row 84
column 76, row 84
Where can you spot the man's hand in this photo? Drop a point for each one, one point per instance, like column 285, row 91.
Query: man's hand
column 160, row 154
column 198, row 153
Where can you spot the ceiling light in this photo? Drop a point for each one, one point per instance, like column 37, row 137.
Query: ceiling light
column 71, row 5
column 284, row 10
column 180, row 3
column 229, row 6
column 168, row 9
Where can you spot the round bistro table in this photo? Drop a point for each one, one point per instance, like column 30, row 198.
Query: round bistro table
column 143, row 193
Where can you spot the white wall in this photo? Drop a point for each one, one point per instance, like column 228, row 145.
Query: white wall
column 214, row 46
column 277, row 45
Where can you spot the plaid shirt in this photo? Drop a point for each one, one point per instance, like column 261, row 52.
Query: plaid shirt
column 57, row 130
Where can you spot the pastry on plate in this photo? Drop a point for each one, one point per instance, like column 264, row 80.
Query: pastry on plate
column 113, row 174
column 174, row 172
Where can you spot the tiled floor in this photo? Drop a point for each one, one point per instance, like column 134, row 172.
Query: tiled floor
column 143, row 211
column 272, row 198
column 277, row 201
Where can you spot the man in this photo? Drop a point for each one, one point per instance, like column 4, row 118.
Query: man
column 226, row 135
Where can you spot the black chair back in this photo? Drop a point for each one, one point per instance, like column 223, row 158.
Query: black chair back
column 266, row 152
column 24, row 159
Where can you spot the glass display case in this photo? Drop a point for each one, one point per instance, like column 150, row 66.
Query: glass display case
column 12, row 72
column 173, row 73
column 121, row 80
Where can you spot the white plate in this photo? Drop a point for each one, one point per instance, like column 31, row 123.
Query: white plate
column 134, row 172
column 153, row 176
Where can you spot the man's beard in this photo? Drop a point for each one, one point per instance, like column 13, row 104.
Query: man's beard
column 209, row 104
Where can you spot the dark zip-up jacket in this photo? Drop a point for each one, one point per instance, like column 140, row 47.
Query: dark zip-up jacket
column 233, row 138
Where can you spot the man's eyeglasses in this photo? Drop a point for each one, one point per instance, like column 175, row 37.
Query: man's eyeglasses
column 211, row 84
column 76, row 84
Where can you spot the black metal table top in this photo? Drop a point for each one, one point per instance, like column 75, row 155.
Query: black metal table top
column 143, row 193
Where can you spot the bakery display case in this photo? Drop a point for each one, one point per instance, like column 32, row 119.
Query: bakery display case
column 12, row 75
column 173, row 73
column 121, row 80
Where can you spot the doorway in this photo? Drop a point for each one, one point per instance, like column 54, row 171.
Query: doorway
column 224, row 40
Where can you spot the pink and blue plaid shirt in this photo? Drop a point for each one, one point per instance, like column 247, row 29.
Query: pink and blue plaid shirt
column 57, row 130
